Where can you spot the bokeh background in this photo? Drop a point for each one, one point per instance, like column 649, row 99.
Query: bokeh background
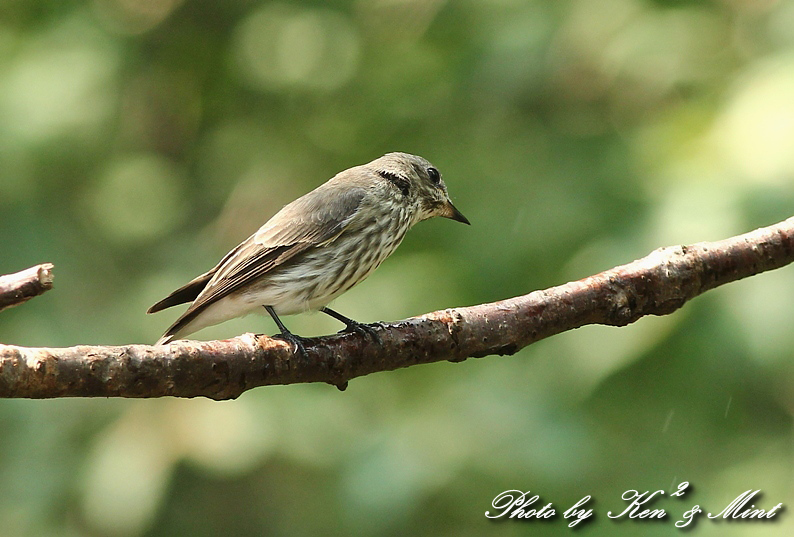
column 142, row 139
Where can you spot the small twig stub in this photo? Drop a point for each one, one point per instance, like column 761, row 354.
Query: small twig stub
column 22, row 286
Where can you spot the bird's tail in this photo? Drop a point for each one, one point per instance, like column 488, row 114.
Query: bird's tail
column 166, row 339
column 186, row 293
column 180, row 326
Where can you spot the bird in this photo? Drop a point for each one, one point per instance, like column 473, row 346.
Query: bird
column 316, row 247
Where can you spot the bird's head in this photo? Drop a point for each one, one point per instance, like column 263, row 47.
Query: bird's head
column 420, row 183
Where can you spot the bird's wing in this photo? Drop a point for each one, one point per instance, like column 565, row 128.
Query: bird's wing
column 310, row 221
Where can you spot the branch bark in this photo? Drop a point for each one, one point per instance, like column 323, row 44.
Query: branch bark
column 657, row 284
column 22, row 286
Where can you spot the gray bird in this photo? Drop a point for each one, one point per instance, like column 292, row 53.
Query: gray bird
column 317, row 247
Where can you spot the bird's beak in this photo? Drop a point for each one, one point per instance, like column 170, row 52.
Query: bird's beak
column 452, row 212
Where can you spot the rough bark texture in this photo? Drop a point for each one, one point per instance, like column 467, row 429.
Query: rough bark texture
column 22, row 286
column 654, row 285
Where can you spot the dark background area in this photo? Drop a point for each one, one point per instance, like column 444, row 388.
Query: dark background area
column 140, row 140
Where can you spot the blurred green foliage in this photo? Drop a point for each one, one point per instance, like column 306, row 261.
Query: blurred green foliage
column 140, row 140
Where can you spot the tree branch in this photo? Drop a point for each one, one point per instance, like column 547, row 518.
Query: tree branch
column 654, row 285
column 22, row 286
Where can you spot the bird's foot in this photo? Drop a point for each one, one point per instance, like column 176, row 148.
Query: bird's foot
column 299, row 342
column 354, row 326
column 363, row 329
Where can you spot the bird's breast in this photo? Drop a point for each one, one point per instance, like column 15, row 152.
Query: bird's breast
column 315, row 278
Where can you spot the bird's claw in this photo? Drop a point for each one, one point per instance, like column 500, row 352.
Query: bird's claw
column 299, row 342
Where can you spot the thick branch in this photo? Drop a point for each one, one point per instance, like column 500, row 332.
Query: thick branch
column 22, row 286
column 654, row 285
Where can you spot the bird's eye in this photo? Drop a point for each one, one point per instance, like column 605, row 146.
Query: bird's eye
column 434, row 175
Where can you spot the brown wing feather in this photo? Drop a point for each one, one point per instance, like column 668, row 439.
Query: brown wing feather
column 310, row 221
column 303, row 224
column 250, row 268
